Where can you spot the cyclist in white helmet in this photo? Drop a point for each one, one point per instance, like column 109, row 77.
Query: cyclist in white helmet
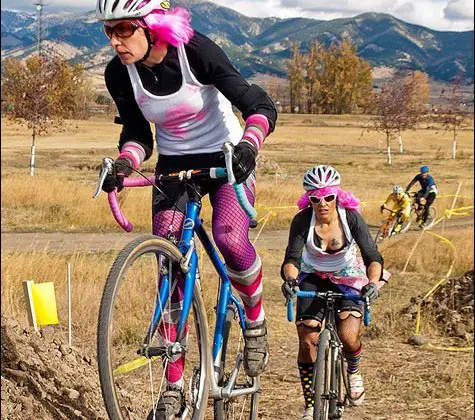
column 178, row 79
column 399, row 202
column 321, row 255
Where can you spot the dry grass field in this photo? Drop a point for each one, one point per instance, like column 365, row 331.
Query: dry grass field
column 402, row 381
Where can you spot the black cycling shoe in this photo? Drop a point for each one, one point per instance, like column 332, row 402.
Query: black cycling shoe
column 256, row 350
column 170, row 405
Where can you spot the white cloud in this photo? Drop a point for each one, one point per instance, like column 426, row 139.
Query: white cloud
column 436, row 14
column 459, row 10
column 444, row 15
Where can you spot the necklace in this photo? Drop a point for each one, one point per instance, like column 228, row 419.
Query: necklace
column 155, row 78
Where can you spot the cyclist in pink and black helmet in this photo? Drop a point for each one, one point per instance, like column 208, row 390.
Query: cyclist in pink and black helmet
column 321, row 255
column 168, row 74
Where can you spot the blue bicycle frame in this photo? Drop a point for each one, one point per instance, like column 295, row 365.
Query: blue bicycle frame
column 192, row 224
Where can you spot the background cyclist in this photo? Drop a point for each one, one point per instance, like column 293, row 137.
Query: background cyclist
column 427, row 194
column 170, row 75
column 399, row 202
column 321, row 254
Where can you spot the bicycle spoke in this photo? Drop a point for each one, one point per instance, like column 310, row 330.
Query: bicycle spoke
column 132, row 383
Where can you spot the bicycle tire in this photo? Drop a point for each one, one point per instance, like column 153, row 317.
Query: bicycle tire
column 379, row 236
column 322, row 377
column 432, row 217
column 233, row 409
column 340, row 384
column 121, row 332
column 385, row 231
column 406, row 225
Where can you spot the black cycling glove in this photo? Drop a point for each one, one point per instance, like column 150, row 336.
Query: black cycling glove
column 244, row 161
column 122, row 168
column 370, row 291
column 288, row 288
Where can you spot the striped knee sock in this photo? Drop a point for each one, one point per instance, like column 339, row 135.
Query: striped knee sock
column 306, row 377
column 353, row 360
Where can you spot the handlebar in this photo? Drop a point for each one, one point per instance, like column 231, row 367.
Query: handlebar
column 329, row 295
column 213, row 173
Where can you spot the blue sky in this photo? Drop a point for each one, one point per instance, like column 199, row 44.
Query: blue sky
column 444, row 15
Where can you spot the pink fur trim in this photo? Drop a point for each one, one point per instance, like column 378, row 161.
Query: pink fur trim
column 346, row 199
column 173, row 27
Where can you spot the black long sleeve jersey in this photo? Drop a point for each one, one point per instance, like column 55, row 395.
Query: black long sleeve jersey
column 300, row 227
column 210, row 66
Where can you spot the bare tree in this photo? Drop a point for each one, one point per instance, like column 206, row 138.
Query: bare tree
column 453, row 112
column 397, row 110
column 417, row 88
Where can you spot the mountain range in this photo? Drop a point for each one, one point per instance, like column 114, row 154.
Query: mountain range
column 256, row 45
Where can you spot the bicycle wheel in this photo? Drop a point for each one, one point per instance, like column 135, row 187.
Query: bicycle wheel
column 406, row 225
column 246, row 406
column 132, row 384
column 322, row 377
column 340, row 384
column 384, row 231
column 432, row 217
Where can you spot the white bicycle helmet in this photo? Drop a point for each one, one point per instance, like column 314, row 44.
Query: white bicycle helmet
column 128, row 9
column 397, row 189
column 321, row 176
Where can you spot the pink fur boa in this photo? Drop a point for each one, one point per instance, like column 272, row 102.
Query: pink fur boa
column 173, row 27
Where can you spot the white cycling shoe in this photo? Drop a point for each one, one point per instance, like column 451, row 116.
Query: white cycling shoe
column 356, row 394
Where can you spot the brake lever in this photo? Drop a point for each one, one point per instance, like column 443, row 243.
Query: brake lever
column 107, row 169
column 228, row 149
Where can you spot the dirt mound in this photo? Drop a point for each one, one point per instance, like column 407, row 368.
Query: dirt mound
column 43, row 378
column 451, row 307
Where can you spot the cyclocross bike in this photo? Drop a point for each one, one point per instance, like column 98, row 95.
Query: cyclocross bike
column 142, row 331
column 417, row 209
column 330, row 381
column 386, row 230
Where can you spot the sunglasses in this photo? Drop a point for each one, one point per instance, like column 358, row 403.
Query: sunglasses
column 121, row 30
column 327, row 198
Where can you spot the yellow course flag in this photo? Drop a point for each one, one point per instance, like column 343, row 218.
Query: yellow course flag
column 44, row 302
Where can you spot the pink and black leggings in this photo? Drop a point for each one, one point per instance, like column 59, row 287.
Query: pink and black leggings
column 230, row 228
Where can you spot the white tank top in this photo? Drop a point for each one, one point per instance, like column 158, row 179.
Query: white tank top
column 315, row 259
column 195, row 119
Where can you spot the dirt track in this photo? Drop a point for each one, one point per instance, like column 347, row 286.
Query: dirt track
column 389, row 363
column 61, row 242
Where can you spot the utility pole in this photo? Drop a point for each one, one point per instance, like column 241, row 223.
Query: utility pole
column 39, row 13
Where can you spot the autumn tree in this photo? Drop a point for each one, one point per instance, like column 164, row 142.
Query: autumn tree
column 453, row 113
column 312, row 64
column 335, row 80
column 347, row 79
column 41, row 92
column 296, row 78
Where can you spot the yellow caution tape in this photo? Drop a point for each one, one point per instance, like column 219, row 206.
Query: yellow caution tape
column 459, row 349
